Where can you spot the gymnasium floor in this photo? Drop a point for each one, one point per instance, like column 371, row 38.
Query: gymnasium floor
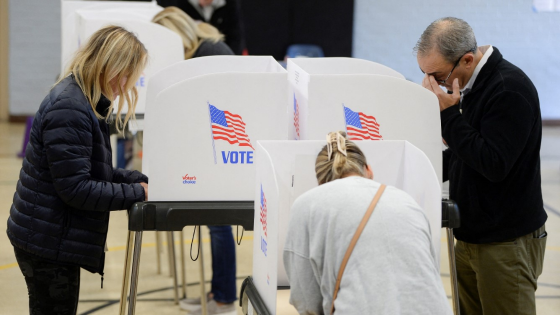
column 155, row 295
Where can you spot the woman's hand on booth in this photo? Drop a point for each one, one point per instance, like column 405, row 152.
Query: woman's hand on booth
column 145, row 189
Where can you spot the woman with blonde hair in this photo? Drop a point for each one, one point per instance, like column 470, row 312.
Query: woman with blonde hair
column 67, row 185
column 391, row 270
column 202, row 39
column 199, row 38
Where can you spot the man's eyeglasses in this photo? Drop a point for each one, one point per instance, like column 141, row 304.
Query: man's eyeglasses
column 442, row 82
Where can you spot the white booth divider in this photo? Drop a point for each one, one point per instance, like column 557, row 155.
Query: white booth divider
column 261, row 66
column 69, row 20
column 366, row 106
column 286, row 169
column 164, row 46
column 201, row 132
column 341, row 65
column 195, row 67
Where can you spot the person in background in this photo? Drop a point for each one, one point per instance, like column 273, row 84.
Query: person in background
column 202, row 39
column 199, row 39
column 225, row 15
column 60, row 213
column 491, row 122
column 392, row 270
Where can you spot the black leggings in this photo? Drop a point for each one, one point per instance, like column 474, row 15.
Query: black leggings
column 53, row 289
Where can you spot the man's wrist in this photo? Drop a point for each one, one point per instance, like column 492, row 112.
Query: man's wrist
column 449, row 112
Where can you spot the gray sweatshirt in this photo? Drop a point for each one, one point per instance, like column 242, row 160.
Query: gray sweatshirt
column 392, row 269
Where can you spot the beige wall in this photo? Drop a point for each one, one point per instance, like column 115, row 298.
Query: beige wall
column 4, row 42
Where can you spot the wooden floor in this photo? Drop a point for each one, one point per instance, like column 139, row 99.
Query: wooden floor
column 155, row 294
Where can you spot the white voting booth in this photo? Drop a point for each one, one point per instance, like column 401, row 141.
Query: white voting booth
column 285, row 170
column 365, row 99
column 70, row 40
column 164, row 46
column 196, row 67
column 203, row 120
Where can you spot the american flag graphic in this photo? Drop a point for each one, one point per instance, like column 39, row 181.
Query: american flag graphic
column 229, row 127
column 263, row 212
column 296, row 117
column 360, row 126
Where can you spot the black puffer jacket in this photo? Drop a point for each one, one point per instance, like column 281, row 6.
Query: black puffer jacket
column 67, row 184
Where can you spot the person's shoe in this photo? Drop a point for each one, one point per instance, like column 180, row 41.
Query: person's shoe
column 192, row 305
column 214, row 308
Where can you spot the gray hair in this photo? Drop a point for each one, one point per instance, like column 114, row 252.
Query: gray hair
column 451, row 37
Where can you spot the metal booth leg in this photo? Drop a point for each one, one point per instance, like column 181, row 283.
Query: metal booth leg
column 173, row 266
column 453, row 271
column 126, row 273
column 203, row 301
column 135, row 272
column 158, row 253
column 169, row 253
column 183, row 269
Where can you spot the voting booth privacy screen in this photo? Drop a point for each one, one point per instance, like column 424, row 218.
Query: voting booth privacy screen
column 286, row 169
column 218, row 128
column 70, row 42
column 366, row 100
column 164, row 46
column 266, row 66
column 201, row 131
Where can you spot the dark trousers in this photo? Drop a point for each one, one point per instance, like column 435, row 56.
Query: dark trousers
column 223, row 264
column 53, row 289
column 500, row 277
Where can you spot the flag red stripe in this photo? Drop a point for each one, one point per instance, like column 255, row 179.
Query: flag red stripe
column 361, row 131
column 372, row 128
column 234, row 132
column 368, row 136
column 235, row 121
column 237, row 126
column 350, row 129
column 354, row 137
column 229, row 129
column 232, row 115
column 227, row 134
column 246, row 145
column 360, row 137
column 363, row 134
column 367, row 121
column 371, row 125
column 368, row 118
column 226, row 139
column 238, row 129
column 232, row 136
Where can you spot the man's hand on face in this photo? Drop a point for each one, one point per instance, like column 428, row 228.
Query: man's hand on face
column 445, row 100
column 426, row 83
